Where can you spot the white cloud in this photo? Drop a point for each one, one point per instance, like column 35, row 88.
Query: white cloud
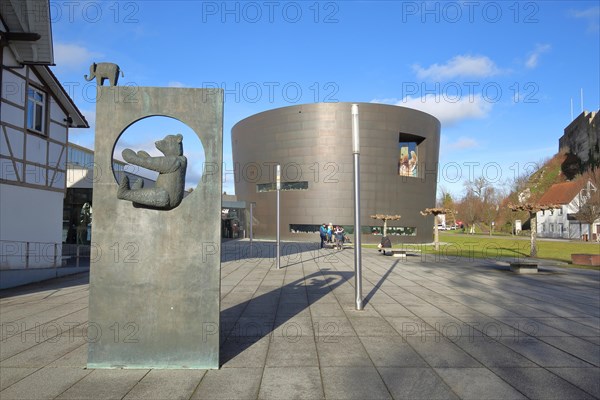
column 448, row 112
column 592, row 12
column 459, row 66
column 534, row 56
column 73, row 56
column 592, row 15
column 176, row 84
column 462, row 143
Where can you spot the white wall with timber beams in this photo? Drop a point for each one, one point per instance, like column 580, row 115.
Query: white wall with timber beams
column 32, row 169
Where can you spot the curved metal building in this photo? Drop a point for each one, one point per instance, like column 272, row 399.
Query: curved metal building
column 399, row 150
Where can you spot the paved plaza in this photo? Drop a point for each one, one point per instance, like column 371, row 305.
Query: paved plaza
column 432, row 328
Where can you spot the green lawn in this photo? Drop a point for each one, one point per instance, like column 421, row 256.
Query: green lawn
column 480, row 246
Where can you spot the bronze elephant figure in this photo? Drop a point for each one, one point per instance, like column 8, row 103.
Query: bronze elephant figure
column 104, row 70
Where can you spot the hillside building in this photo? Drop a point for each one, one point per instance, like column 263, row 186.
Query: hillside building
column 562, row 222
column 582, row 138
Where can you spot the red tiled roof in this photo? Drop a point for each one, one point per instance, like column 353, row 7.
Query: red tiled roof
column 562, row 193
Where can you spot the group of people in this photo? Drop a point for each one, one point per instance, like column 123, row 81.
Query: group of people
column 329, row 234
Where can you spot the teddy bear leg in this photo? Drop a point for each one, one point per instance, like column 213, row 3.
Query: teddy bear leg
column 139, row 183
column 123, row 187
column 152, row 197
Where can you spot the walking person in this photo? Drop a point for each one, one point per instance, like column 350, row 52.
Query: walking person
column 330, row 232
column 323, row 233
column 339, row 237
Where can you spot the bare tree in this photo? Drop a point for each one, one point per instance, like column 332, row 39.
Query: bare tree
column 479, row 188
column 481, row 202
column 491, row 206
column 469, row 209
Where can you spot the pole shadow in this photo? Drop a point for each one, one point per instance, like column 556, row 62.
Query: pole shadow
column 271, row 313
column 383, row 278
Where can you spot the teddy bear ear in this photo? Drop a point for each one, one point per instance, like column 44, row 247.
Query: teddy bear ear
column 179, row 138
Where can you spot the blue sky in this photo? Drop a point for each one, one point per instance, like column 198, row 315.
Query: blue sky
column 500, row 76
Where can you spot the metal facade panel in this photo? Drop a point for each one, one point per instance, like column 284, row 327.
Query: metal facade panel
column 155, row 274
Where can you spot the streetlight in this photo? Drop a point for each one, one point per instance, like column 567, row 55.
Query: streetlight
column 357, row 249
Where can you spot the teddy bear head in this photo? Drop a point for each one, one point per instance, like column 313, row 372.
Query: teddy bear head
column 171, row 145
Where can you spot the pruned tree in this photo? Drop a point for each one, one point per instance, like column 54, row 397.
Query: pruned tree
column 435, row 212
column 385, row 218
column 532, row 209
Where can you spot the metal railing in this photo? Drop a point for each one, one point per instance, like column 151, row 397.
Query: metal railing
column 28, row 254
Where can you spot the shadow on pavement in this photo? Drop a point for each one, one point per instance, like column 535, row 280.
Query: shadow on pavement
column 275, row 312
column 82, row 278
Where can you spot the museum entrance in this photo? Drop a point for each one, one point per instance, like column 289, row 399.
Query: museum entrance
column 233, row 223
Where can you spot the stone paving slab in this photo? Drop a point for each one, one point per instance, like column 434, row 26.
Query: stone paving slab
column 432, row 328
column 392, row 351
column 353, row 383
column 289, row 383
column 166, row 384
column 539, row 383
column 416, row 383
column 585, row 378
column 9, row 376
column 230, row 383
column 45, row 383
column 105, row 384
column 478, row 384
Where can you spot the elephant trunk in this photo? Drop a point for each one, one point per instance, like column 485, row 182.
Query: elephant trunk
column 92, row 73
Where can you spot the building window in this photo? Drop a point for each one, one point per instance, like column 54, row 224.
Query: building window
column 304, row 228
column 391, row 230
column 271, row 187
column 560, row 211
column 408, row 153
column 36, row 110
column 80, row 157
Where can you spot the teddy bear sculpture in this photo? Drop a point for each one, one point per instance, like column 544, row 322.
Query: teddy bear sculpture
column 168, row 191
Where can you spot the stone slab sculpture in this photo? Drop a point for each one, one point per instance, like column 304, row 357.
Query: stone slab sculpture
column 155, row 268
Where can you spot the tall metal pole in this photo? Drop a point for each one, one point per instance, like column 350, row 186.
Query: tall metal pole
column 251, row 220
column 357, row 244
column 278, row 235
